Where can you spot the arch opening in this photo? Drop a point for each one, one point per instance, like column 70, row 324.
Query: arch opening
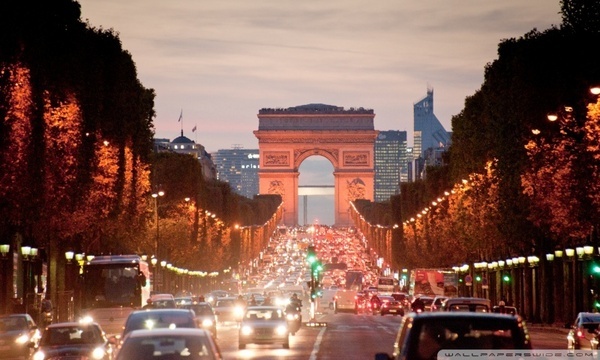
column 316, row 200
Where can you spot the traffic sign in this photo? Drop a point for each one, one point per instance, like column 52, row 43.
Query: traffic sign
column 468, row 280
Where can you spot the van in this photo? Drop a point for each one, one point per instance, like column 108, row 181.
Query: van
column 470, row 304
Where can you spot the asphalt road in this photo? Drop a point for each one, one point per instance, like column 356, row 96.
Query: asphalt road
column 349, row 336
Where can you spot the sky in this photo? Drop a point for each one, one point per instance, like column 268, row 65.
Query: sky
column 216, row 63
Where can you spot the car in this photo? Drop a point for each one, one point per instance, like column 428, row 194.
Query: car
column 422, row 335
column 180, row 343
column 421, row 303
column 159, row 318
column 471, row 304
column 582, row 333
column 264, row 325
column 212, row 296
column 205, row 316
column 74, row 340
column 18, row 334
column 403, row 298
column 511, row 310
column 391, row 306
column 163, row 301
column 181, row 301
column 227, row 310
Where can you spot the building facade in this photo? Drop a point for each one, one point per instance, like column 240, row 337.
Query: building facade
column 239, row 168
column 390, row 163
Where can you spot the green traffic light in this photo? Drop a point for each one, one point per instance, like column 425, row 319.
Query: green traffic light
column 596, row 269
column 478, row 278
column 597, row 304
column 506, row 278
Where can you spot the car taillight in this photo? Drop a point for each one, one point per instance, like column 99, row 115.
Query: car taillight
column 579, row 333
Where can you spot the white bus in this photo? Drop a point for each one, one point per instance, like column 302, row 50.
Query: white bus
column 386, row 285
column 112, row 287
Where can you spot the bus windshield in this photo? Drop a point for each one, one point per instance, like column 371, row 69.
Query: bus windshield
column 111, row 285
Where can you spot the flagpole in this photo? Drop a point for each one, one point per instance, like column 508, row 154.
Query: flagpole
column 181, row 121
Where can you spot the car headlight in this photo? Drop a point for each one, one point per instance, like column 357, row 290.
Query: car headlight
column 22, row 339
column 281, row 330
column 98, row 353
column 238, row 311
column 247, row 330
column 149, row 324
column 207, row 323
column 39, row 355
column 86, row 320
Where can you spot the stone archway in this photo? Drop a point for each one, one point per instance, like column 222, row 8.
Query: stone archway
column 286, row 137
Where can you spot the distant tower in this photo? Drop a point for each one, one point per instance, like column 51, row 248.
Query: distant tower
column 429, row 132
column 390, row 161
column 430, row 137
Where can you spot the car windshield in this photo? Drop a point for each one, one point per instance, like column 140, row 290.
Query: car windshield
column 264, row 314
column 151, row 320
column 173, row 347
column 13, row 323
column 71, row 335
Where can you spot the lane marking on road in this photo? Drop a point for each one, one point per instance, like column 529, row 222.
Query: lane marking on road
column 315, row 351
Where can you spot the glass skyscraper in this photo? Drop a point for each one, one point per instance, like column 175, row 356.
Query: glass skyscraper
column 390, row 163
column 429, row 132
column 239, row 168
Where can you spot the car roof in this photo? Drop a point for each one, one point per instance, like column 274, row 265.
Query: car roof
column 589, row 317
column 264, row 307
column 166, row 331
column 72, row 324
column 162, row 311
column 440, row 315
column 162, row 297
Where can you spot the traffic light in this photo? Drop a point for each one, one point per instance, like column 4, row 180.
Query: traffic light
column 316, row 268
column 506, row 278
column 478, row 278
column 595, row 269
column 311, row 255
column 313, row 293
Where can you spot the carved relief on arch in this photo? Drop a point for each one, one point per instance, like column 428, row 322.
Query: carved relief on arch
column 331, row 154
column 356, row 189
column 277, row 187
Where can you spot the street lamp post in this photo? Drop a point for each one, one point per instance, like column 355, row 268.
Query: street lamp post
column 4, row 250
column 28, row 253
column 156, row 195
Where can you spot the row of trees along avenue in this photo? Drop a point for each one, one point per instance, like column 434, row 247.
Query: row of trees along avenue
column 512, row 182
column 76, row 164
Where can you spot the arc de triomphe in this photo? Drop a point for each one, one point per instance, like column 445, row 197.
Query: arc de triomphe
column 286, row 137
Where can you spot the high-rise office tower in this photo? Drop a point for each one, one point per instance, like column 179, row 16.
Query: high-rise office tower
column 239, row 168
column 429, row 132
column 390, row 163
column 430, row 137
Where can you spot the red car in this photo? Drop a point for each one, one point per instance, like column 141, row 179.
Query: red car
column 391, row 306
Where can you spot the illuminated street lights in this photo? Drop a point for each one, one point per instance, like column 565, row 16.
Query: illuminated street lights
column 156, row 195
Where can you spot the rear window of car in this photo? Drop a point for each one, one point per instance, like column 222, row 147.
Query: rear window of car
column 160, row 346
column 467, row 333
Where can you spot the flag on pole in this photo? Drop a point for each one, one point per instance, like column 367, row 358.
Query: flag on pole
column 180, row 115
column 194, row 129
